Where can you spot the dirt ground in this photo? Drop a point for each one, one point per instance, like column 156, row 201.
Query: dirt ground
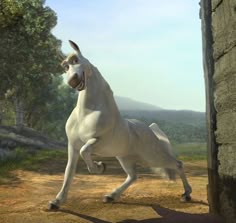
column 24, row 198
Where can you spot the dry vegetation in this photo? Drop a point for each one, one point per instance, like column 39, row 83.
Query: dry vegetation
column 25, row 195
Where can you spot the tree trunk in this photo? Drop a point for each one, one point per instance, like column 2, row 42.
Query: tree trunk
column 20, row 113
column 1, row 112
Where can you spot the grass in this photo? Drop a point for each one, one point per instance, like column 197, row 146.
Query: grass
column 23, row 159
column 30, row 160
column 191, row 151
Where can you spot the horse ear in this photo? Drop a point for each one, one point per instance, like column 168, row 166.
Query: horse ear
column 74, row 46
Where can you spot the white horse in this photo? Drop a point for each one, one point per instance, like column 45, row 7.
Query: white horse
column 95, row 126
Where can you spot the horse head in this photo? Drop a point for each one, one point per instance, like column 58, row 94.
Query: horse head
column 77, row 67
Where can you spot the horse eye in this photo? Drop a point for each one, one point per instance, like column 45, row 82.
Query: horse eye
column 75, row 61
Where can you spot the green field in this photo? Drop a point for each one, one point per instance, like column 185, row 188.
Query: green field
column 191, row 151
column 23, row 159
column 28, row 160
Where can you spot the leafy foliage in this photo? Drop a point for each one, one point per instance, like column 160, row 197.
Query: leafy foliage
column 9, row 13
column 29, row 52
column 7, row 115
column 56, row 110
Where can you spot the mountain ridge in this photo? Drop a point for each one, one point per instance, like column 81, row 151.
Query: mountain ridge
column 181, row 126
column 129, row 104
column 125, row 103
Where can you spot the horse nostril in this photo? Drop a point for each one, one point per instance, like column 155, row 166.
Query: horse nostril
column 75, row 75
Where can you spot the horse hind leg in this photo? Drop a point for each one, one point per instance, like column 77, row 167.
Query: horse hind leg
column 173, row 166
column 129, row 167
column 187, row 188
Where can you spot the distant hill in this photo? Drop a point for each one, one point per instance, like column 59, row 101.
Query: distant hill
column 124, row 103
column 177, row 116
column 181, row 126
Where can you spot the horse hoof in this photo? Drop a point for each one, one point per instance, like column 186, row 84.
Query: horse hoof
column 104, row 166
column 108, row 199
column 185, row 198
column 101, row 167
column 52, row 206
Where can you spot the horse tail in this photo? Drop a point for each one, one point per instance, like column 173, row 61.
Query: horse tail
column 158, row 132
column 165, row 173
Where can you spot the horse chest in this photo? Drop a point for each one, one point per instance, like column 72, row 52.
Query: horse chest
column 92, row 125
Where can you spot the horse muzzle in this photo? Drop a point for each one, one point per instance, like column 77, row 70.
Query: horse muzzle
column 77, row 81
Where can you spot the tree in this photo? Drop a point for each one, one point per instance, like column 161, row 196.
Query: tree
column 51, row 117
column 29, row 54
column 9, row 13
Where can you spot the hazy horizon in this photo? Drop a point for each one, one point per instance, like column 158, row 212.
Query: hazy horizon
column 149, row 51
column 122, row 102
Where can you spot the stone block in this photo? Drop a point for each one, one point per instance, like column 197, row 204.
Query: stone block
column 225, row 95
column 226, row 130
column 215, row 4
column 227, row 160
column 224, row 28
column 225, row 67
column 227, row 206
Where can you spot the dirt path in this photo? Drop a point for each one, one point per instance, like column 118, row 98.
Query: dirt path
column 151, row 199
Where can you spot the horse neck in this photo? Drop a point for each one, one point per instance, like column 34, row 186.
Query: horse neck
column 97, row 95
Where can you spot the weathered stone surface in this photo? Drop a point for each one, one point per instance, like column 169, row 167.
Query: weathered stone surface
column 227, row 204
column 225, row 66
column 227, row 173
column 223, row 116
column 226, row 130
column 215, row 4
column 224, row 28
column 227, row 158
column 226, row 103
column 225, row 95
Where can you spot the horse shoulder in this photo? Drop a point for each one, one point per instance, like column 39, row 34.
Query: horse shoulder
column 71, row 121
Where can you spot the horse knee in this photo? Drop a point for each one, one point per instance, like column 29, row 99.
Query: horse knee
column 86, row 150
column 179, row 165
column 132, row 178
column 83, row 153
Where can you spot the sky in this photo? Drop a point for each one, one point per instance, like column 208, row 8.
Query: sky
column 147, row 50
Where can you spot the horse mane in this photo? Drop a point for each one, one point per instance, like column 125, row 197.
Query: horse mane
column 105, row 84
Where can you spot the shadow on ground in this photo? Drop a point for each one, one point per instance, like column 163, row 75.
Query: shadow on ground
column 171, row 216
column 165, row 215
column 83, row 216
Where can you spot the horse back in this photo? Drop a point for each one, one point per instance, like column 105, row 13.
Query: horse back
column 151, row 146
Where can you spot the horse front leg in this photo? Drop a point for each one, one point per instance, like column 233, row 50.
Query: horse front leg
column 86, row 153
column 73, row 155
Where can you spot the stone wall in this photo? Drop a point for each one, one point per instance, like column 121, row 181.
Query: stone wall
column 221, row 102
column 224, row 55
